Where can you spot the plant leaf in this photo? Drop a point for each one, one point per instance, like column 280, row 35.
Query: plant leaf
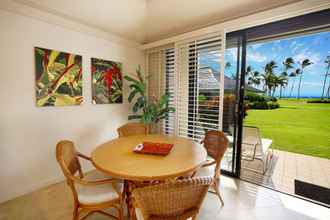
column 132, row 95
column 139, row 104
column 132, row 117
column 130, row 79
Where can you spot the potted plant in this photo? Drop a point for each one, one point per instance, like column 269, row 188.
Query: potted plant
column 149, row 111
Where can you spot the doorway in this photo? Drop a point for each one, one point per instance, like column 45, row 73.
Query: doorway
column 257, row 87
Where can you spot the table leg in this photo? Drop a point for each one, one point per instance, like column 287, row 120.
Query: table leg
column 128, row 188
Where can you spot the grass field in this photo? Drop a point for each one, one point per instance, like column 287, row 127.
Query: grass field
column 296, row 126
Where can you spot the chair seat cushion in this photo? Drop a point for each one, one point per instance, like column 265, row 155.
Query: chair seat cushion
column 205, row 171
column 95, row 194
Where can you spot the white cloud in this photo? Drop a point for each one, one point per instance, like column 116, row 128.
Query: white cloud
column 295, row 46
column 232, row 53
column 256, row 57
column 313, row 57
column 256, row 46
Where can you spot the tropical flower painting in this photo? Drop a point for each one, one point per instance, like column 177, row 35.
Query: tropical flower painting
column 107, row 81
column 58, row 78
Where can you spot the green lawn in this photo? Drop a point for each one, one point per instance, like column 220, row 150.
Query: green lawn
column 296, row 127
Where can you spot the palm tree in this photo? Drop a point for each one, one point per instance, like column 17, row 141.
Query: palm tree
column 227, row 67
column 282, row 81
column 268, row 76
column 288, row 64
column 303, row 65
column 327, row 61
column 277, row 81
column 248, row 70
column 274, row 84
column 293, row 75
column 253, row 76
column 284, row 75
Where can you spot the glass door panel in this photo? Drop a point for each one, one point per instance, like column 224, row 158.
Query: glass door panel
column 233, row 100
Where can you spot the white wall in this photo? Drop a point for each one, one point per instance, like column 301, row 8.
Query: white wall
column 28, row 134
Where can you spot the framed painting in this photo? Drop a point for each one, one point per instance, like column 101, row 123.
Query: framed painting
column 58, row 78
column 107, row 81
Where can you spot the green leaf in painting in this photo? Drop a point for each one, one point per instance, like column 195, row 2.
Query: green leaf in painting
column 42, row 101
column 62, row 100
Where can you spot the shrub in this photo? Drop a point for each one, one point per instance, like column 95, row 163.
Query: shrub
column 273, row 105
column 258, row 105
column 253, row 97
column 263, row 105
column 272, row 99
column 319, row 101
column 202, row 98
column 256, row 101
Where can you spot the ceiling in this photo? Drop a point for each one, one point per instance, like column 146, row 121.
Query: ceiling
column 150, row 20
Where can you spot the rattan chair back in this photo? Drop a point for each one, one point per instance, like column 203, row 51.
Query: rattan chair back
column 172, row 200
column 131, row 129
column 216, row 144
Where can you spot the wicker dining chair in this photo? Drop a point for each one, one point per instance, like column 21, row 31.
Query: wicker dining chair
column 177, row 200
column 90, row 193
column 216, row 144
column 132, row 128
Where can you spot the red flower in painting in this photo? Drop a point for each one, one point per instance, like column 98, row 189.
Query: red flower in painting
column 114, row 71
column 108, row 78
column 46, row 59
column 93, row 69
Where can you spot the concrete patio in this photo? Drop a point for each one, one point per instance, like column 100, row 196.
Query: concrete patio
column 286, row 167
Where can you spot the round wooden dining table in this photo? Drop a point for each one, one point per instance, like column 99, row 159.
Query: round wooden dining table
column 116, row 158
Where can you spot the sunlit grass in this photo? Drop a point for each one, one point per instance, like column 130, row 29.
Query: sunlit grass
column 297, row 126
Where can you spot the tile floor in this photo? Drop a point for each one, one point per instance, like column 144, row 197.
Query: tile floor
column 286, row 167
column 242, row 201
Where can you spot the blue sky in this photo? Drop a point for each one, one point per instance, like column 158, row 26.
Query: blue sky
column 315, row 47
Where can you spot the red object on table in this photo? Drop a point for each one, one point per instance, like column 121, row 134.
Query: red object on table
column 154, row 148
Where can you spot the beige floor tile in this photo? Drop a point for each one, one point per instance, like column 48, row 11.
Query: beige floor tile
column 242, row 201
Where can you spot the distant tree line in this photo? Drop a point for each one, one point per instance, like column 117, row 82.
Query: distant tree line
column 292, row 72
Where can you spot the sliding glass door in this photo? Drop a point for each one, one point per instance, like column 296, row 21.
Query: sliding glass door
column 233, row 109
column 281, row 72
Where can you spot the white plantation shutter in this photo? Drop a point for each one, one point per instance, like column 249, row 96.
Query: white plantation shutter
column 198, row 86
column 160, row 73
column 154, row 72
column 169, row 123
